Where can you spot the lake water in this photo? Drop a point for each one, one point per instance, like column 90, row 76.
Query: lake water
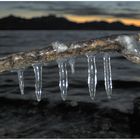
column 125, row 74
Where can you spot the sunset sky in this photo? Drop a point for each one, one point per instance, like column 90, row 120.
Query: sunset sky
column 126, row 12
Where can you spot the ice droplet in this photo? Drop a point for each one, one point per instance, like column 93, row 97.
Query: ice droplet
column 92, row 75
column 21, row 80
column 72, row 65
column 107, row 75
column 38, row 80
column 63, row 78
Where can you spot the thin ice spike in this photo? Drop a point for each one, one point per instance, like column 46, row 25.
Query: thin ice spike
column 21, row 80
column 92, row 75
column 72, row 65
column 38, row 80
column 107, row 75
column 63, row 78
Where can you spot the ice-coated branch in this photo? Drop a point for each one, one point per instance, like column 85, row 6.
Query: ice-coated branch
column 58, row 50
column 127, row 45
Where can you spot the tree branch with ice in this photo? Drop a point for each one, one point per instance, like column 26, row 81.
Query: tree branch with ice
column 127, row 45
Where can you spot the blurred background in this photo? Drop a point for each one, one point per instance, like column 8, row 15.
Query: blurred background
column 107, row 15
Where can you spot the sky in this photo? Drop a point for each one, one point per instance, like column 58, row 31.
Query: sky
column 127, row 12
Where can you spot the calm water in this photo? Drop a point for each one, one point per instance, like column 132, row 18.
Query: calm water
column 126, row 75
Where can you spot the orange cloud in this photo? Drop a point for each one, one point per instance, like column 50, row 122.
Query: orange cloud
column 82, row 19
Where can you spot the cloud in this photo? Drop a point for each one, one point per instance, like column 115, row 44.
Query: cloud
column 83, row 8
column 127, row 15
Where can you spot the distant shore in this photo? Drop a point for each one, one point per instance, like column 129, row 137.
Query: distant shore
column 52, row 22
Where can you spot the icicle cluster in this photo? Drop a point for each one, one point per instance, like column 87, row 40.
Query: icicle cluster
column 92, row 75
column 63, row 74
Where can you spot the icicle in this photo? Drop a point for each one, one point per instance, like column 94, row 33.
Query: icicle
column 63, row 78
column 92, row 75
column 72, row 65
column 38, row 80
column 107, row 75
column 21, row 80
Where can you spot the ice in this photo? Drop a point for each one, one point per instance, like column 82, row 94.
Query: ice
column 130, row 47
column 59, row 47
column 75, row 46
column 63, row 78
column 38, row 80
column 92, row 75
column 21, row 80
column 72, row 65
column 129, row 43
column 107, row 75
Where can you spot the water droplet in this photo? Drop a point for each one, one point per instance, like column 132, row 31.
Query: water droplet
column 21, row 80
column 72, row 65
column 107, row 75
column 38, row 80
column 63, row 78
column 92, row 75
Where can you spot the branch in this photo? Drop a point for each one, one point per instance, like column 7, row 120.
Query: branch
column 127, row 45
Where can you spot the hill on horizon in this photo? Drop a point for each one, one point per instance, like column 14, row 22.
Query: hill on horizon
column 52, row 22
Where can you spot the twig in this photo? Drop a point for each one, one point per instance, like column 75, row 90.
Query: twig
column 116, row 43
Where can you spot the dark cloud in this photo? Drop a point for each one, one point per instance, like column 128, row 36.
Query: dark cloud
column 84, row 8
column 127, row 15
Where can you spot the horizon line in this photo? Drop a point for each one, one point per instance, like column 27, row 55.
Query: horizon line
column 29, row 18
